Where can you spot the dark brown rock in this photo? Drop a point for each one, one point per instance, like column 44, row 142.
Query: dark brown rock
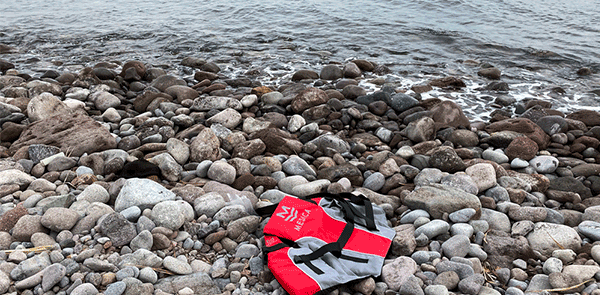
column 523, row 148
column 364, row 65
column 278, row 141
column 243, row 181
column 331, row 72
column 305, row 75
column 353, row 91
column 523, row 126
column 347, row 170
column 249, row 149
column 75, row 135
column 118, row 229
column 446, row 159
column 308, row 98
column 265, row 181
column 490, row 73
column 11, row 131
column 351, row 70
column 449, row 114
column 141, row 103
column 202, row 75
column 448, row 82
column 590, row 118
column 181, row 92
column 139, row 67
column 502, row 249
column 10, row 218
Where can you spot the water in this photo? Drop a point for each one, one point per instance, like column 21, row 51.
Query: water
column 538, row 44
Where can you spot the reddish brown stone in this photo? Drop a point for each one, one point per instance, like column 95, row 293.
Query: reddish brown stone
column 308, row 98
column 259, row 91
column 590, row 118
column 243, row 181
column 523, row 126
column 265, row 181
column 523, row 148
column 448, row 82
column 10, row 218
column 72, row 134
column 587, row 141
column 139, row 67
column 449, row 114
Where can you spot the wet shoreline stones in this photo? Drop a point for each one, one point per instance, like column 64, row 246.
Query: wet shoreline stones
column 509, row 206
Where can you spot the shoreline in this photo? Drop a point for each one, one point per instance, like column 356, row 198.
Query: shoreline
column 478, row 207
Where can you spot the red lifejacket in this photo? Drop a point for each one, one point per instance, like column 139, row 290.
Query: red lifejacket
column 324, row 240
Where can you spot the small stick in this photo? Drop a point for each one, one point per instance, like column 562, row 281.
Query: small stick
column 564, row 289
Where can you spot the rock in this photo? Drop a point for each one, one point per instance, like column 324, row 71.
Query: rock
column 26, row 226
column 328, row 141
column 396, row 273
column 177, row 266
column 143, row 193
column 496, row 220
column 483, row 174
column 436, row 290
column 168, row 214
column 311, row 188
column 308, row 98
column 15, row 177
column 229, row 118
column 94, row 193
column 404, row 243
column 118, row 229
column 544, row 164
column 400, row 102
column 456, row 246
column 216, row 102
column 179, row 150
column 546, row 237
column 295, row 165
column 421, row 130
column 448, row 82
column 249, row 149
column 331, row 72
column 588, row 117
column 437, row 199
column 338, row 172
column 448, row 279
column 433, row 229
column 572, row 275
column 76, row 134
column 522, row 148
column 199, row 282
column 278, row 141
column 104, row 100
column 462, row 269
column 524, row 126
column 471, row 284
column 205, row 147
column 222, row 172
column 181, row 92
column 534, row 214
column 46, row 105
column 374, row 182
column 590, row 229
column 445, row 159
column 490, row 73
column 495, row 156
column 449, row 114
column 58, row 219
column 305, row 75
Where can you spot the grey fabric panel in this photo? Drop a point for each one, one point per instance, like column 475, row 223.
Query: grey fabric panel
column 335, row 271
column 334, row 211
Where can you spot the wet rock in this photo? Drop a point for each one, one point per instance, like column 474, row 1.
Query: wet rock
column 524, row 126
column 305, row 75
column 522, row 148
column 449, row 114
column 490, row 73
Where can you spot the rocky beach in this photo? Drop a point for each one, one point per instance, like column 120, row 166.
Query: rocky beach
column 127, row 178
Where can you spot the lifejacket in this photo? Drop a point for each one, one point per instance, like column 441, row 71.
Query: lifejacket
column 318, row 242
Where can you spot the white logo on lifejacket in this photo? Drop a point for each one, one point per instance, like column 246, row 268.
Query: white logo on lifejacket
column 290, row 214
column 293, row 213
